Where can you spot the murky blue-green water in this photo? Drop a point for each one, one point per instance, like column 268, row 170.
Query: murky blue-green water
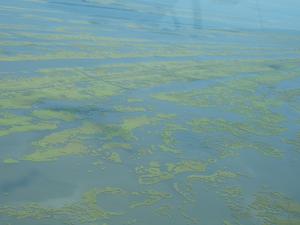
column 149, row 112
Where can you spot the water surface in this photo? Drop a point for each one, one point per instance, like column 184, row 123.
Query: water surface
column 149, row 112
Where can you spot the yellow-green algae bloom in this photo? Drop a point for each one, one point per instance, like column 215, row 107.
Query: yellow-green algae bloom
column 217, row 177
column 186, row 191
column 245, row 91
column 294, row 142
column 10, row 161
column 154, row 173
column 128, row 125
column 52, row 153
column 152, row 198
column 115, row 157
column 274, row 208
column 11, row 123
column 233, row 128
column 85, row 211
column 88, row 209
column 129, row 109
column 63, row 143
column 133, row 123
column 169, row 140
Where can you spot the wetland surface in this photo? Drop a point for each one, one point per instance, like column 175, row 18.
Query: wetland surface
column 147, row 112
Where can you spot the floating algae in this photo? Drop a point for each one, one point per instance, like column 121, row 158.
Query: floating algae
column 168, row 134
column 10, row 161
column 231, row 192
column 164, row 210
column 129, row 125
column 235, row 136
column 295, row 142
column 27, row 128
column 276, row 208
column 13, row 120
column 10, row 124
column 234, row 128
column 217, row 177
column 115, row 145
column 49, row 114
column 62, row 137
column 233, row 146
column 168, row 138
column 84, row 211
column 241, row 96
column 74, row 148
column 59, row 84
column 154, row 173
column 225, row 222
column 88, row 46
column 153, row 198
column 63, row 143
column 129, row 109
column 185, row 191
column 169, row 149
column 88, row 209
column 115, row 157
column 134, row 100
column 139, row 96
column 149, row 74
column 190, row 219
column 133, row 123
column 186, row 166
column 145, row 152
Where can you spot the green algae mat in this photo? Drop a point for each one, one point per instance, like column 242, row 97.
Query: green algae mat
column 149, row 112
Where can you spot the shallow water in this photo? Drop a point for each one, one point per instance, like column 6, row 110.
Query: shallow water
column 149, row 112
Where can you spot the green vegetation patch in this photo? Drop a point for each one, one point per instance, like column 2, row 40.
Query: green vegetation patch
column 276, row 209
column 87, row 210
column 12, row 123
column 10, row 161
column 155, row 173
column 217, row 177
